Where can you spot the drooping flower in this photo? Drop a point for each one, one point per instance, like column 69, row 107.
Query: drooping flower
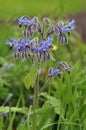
column 63, row 67
column 60, row 29
column 68, row 27
column 54, row 71
column 24, row 20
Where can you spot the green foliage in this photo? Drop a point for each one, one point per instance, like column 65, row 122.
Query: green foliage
column 32, row 8
column 1, row 122
column 45, row 119
column 13, row 109
column 31, row 77
column 55, row 103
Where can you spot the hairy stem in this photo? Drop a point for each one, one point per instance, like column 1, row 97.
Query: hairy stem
column 36, row 90
column 35, row 103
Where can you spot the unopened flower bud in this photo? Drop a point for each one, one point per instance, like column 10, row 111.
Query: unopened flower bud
column 46, row 20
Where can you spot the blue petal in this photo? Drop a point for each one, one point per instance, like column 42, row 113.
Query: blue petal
column 55, row 72
column 50, row 39
column 8, row 42
column 43, row 43
column 24, row 20
column 15, row 47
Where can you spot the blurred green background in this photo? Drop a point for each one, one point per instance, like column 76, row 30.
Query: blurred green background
column 11, row 8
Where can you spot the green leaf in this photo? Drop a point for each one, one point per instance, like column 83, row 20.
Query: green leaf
column 45, row 117
column 47, row 126
column 83, row 113
column 55, row 103
column 6, row 109
column 31, row 77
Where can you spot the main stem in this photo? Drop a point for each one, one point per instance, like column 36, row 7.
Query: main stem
column 36, row 90
column 35, row 103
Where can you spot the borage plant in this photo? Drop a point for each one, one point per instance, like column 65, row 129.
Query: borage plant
column 37, row 44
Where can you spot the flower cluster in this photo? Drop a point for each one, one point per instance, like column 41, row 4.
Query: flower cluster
column 30, row 48
column 39, row 47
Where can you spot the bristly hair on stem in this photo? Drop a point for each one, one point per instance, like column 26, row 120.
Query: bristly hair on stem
column 36, row 91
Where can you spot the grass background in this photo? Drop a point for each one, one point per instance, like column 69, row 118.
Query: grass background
column 52, row 8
